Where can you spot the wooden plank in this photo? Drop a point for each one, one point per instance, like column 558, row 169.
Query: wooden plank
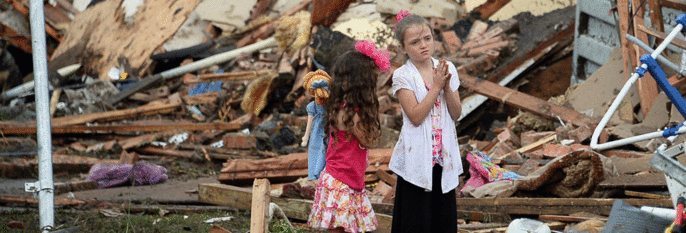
column 562, row 218
column 282, row 175
column 259, row 214
column 525, row 102
column 152, row 150
column 100, row 27
column 645, row 195
column 532, row 146
column 623, row 13
column 647, row 86
column 385, row 176
column 674, row 4
column 241, row 198
column 661, row 35
column 230, row 76
column 656, row 17
column 25, row 128
column 555, row 206
column 146, row 110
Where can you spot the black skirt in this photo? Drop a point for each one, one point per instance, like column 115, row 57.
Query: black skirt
column 416, row 210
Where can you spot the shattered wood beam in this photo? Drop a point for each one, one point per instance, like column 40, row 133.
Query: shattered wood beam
column 647, row 86
column 525, row 102
column 673, row 4
column 29, row 200
column 287, row 167
column 623, row 13
column 151, row 150
column 25, row 128
column 146, row 110
column 558, row 41
column 556, row 206
column 490, row 7
column 283, row 175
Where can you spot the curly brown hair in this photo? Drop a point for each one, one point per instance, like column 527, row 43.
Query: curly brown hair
column 354, row 83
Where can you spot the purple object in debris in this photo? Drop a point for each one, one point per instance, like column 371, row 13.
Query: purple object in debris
column 112, row 174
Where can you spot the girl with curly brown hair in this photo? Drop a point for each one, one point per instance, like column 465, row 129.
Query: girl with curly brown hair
column 341, row 202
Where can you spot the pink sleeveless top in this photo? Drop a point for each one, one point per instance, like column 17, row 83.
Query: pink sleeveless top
column 346, row 160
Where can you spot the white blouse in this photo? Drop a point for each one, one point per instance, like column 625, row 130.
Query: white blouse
column 412, row 155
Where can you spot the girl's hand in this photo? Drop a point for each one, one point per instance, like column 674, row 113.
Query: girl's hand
column 441, row 74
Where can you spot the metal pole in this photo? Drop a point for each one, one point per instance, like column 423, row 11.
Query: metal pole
column 45, row 185
column 660, row 58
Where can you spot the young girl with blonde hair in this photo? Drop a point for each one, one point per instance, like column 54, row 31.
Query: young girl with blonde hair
column 426, row 157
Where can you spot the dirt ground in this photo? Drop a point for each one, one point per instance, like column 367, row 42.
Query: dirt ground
column 171, row 206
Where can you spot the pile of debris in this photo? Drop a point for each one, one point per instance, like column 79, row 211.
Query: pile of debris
column 177, row 81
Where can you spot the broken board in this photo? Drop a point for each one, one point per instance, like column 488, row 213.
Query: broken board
column 108, row 37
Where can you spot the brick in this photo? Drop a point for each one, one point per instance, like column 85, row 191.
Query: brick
column 218, row 229
column 384, row 190
column 555, row 150
column 482, row 49
column 478, row 29
column 239, row 141
column 537, row 154
column 128, row 158
column 582, row 133
column 528, row 167
column 501, row 150
column 529, row 137
column 509, row 137
column 452, row 40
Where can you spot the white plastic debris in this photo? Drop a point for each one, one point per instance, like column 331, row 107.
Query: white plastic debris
column 179, row 138
column 246, row 130
column 220, row 219
column 566, row 142
column 156, row 143
column 218, row 144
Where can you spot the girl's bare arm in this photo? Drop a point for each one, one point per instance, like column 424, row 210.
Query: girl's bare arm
column 359, row 131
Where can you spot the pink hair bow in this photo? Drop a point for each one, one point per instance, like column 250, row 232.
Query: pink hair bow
column 380, row 57
column 402, row 14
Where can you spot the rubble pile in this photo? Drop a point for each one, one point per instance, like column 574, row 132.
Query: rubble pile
column 181, row 85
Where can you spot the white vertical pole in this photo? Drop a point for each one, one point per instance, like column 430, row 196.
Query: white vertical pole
column 44, row 186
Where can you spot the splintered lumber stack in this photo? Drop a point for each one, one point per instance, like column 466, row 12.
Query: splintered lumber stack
column 287, row 168
column 482, row 46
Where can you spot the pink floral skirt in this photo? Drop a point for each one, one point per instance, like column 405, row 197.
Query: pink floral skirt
column 337, row 205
